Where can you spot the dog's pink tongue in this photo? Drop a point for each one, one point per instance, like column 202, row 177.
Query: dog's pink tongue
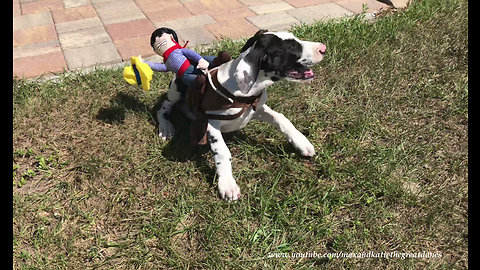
column 308, row 74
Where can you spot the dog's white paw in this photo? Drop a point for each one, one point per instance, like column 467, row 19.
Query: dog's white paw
column 166, row 130
column 228, row 189
column 301, row 143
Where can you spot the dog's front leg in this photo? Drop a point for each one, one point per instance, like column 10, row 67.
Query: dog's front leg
column 227, row 187
column 295, row 137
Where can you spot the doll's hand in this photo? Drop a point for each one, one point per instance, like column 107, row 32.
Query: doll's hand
column 202, row 64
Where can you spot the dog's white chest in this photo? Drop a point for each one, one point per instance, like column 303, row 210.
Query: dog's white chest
column 236, row 124
column 241, row 121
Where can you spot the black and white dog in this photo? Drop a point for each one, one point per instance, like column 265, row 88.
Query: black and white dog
column 266, row 58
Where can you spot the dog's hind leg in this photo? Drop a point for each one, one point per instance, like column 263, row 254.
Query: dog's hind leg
column 227, row 187
column 165, row 127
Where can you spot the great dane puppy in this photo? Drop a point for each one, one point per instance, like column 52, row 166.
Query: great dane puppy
column 265, row 58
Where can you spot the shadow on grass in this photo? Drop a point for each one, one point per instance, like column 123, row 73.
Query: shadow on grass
column 119, row 105
column 179, row 148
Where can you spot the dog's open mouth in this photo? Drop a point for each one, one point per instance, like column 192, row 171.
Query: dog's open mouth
column 300, row 75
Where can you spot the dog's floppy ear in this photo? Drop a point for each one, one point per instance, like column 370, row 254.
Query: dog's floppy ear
column 248, row 68
column 253, row 39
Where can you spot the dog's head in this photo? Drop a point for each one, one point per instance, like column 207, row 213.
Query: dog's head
column 276, row 55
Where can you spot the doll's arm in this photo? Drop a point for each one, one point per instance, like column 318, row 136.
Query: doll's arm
column 157, row 66
column 191, row 55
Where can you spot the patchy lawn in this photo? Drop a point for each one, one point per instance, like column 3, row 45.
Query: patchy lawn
column 95, row 187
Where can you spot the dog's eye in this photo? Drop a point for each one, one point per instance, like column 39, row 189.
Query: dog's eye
column 289, row 45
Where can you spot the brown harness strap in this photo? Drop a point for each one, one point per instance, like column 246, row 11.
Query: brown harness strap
column 225, row 116
column 238, row 102
column 206, row 98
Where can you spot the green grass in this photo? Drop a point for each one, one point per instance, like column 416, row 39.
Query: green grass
column 95, row 187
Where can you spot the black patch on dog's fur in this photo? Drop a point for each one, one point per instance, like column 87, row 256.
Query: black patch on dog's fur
column 282, row 56
column 253, row 39
column 181, row 87
column 273, row 54
column 211, row 138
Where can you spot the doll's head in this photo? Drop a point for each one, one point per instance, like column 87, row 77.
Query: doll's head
column 161, row 39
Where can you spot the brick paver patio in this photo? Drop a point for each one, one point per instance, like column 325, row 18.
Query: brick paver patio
column 55, row 35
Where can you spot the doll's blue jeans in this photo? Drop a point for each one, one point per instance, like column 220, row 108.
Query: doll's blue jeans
column 191, row 73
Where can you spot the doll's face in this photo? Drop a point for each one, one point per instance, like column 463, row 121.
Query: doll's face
column 163, row 43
